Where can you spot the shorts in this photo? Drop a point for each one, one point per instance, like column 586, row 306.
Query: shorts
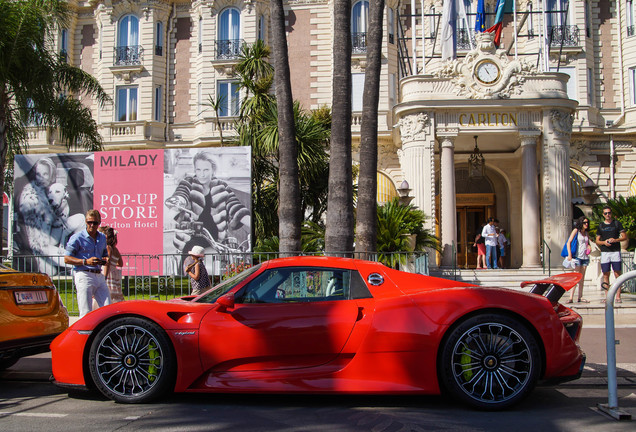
column 581, row 262
column 502, row 251
column 610, row 260
column 481, row 249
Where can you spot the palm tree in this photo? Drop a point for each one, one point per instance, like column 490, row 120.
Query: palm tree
column 34, row 80
column 258, row 127
column 397, row 223
column 366, row 220
column 289, row 216
column 339, row 232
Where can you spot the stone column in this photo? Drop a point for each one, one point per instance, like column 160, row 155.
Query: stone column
column 557, row 196
column 417, row 157
column 530, row 204
column 448, row 201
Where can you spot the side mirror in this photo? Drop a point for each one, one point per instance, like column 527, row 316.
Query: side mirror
column 226, row 301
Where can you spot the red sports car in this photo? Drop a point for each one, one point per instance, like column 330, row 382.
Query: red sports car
column 329, row 325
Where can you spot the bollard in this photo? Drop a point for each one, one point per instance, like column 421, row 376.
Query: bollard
column 611, row 408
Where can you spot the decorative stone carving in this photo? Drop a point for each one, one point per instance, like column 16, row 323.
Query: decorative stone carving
column 579, row 151
column 463, row 72
column 412, row 127
column 561, row 123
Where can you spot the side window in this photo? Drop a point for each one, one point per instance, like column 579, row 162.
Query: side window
column 301, row 284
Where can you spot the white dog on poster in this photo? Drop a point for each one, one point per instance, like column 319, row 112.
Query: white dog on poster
column 63, row 225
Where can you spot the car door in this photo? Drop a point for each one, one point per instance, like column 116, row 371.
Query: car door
column 285, row 318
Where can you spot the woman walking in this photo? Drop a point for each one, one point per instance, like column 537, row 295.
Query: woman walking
column 581, row 255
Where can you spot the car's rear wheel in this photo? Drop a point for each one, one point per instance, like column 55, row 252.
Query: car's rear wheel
column 490, row 361
column 132, row 361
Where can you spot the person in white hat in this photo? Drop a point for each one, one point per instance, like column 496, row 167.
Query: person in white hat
column 194, row 267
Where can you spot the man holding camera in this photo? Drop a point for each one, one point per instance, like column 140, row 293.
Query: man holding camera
column 87, row 251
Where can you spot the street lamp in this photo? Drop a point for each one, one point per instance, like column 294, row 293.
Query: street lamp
column 476, row 162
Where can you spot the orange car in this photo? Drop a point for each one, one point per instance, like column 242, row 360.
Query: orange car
column 31, row 315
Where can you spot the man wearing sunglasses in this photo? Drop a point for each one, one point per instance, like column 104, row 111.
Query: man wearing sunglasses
column 609, row 235
column 87, row 251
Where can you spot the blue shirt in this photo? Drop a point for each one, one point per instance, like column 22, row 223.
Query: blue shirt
column 81, row 245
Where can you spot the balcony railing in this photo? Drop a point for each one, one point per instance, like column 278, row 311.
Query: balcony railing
column 228, row 49
column 630, row 30
column 465, row 40
column 128, row 55
column 359, row 43
column 567, row 36
column 158, row 50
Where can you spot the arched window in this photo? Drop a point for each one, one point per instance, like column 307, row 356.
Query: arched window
column 359, row 26
column 229, row 36
column 128, row 49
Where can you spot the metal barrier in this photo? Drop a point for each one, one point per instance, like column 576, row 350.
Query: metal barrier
column 611, row 408
column 628, row 265
column 543, row 260
column 161, row 277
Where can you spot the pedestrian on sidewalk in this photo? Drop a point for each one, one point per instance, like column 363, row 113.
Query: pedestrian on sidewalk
column 609, row 235
column 581, row 256
column 490, row 235
column 481, row 249
column 87, row 251
column 112, row 269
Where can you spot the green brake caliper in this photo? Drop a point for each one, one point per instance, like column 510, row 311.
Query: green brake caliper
column 465, row 360
column 153, row 353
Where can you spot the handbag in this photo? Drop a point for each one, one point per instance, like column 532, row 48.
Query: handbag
column 574, row 246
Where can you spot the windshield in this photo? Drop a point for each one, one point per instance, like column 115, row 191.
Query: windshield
column 225, row 286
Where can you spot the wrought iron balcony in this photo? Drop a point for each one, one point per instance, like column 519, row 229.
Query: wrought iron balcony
column 358, row 43
column 567, row 36
column 228, row 49
column 630, row 30
column 465, row 40
column 128, row 55
column 158, row 50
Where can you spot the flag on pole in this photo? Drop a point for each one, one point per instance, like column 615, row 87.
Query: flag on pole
column 498, row 26
column 449, row 30
column 453, row 10
column 480, row 18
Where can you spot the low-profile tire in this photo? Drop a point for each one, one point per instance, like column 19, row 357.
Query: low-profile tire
column 132, row 361
column 6, row 363
column 490, row 361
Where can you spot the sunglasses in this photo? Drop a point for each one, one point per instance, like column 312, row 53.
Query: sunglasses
column 92, row 223
column 586, row 222
column 606, row 213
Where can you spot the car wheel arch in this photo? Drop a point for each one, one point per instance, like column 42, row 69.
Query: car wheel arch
column 506, row 312
column 88, row 379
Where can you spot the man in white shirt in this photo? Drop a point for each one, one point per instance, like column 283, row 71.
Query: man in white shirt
column 489, row 233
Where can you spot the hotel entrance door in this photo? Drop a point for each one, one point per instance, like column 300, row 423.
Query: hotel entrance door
column 472, row 212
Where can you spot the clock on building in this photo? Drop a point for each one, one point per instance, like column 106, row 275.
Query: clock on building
column 487, row 71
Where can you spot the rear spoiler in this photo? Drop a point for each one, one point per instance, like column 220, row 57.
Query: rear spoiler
column 554, row 287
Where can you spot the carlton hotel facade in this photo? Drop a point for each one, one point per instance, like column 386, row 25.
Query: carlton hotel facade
column 540, row 115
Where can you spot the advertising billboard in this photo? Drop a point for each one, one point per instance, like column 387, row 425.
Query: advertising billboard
column 161, row 202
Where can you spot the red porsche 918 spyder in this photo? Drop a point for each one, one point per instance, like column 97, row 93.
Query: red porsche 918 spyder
column 329, row 325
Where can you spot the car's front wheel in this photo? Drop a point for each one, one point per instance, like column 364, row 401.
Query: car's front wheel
column 490, row 361
column 132, row 361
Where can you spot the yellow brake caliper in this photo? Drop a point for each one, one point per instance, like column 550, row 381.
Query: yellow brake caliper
column 153, row 353
column 465, row 360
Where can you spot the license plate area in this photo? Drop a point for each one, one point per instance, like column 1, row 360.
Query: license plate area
column 30, row 297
